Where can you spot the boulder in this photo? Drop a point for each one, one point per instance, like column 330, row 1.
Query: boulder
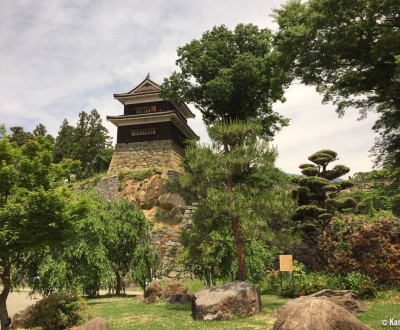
column 94, row 324
column 344, row 298
column 152, row 291
column 174, row 288
column 179, row 298
column 347, row 299
column 225, row 301
column 175, row 292
column 19, row 318
column 317, row 313
column 148, row 191
column 171, row 201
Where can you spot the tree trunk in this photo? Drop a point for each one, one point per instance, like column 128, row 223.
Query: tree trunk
column 5, row 278
column 118, row 286
column 237, row 233
column 239, row 245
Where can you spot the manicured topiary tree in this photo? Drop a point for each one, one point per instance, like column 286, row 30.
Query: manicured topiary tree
column 317, row 193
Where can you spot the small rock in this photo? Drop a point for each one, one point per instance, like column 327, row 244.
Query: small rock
column 94, row 324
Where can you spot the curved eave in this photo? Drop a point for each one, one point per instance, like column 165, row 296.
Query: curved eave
column 156, row 118
column 123, row 98
column 184, row 109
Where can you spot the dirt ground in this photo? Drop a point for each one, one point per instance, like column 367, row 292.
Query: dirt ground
column 19, row 300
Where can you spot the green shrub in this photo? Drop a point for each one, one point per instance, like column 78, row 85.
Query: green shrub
column 362, row 284
column 57, row 311
column 316, row 281
column 140, row 175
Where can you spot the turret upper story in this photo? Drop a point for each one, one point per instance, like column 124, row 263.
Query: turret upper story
column 148, row 117
column 145, row 99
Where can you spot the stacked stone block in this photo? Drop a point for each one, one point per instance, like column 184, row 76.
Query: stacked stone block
column 167, row 242
column 148, row 154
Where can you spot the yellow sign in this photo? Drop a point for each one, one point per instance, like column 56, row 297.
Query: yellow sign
column 286, row 263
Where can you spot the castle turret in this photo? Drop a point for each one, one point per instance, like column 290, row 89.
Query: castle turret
column 151, row 132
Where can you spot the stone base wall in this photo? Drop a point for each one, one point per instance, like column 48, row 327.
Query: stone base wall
column 166, row 240
column 129, row 156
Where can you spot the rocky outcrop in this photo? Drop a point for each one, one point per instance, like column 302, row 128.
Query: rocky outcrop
column 317, row 313
column 96, row 323
column 166, row 240
column 147, row 189
column 171, row 201
column 225, row 301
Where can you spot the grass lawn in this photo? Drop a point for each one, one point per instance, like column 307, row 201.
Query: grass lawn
column 384, row 307
column 130, row 312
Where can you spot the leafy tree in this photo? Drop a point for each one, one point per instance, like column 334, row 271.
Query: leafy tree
column 35, row 164
column 111, row 240
column 8, row 172
column 19, row 135
column 64, row 169
column 41, row 130
column 236, row 182
column 230, row 75
column 90, row 142
column 32, row 216
column 317, row 194
column 63, row 145
column 127, row 238
column 29, row 222
column 82, row 266
column 350, row 50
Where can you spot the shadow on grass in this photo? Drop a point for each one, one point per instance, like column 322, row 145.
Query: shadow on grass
column 111, row 295
column 184, row 307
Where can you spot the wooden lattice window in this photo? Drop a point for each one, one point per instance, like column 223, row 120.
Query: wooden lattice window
column 143, row 131
column 142, row 110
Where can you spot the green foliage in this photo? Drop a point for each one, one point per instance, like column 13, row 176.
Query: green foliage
column 237, row 183
column 362, row 284
column 110, row 241
column 140, row 175
column 350, row 51
column 56, row 312
column 88, row 143
column 230, row 75
column 63, row 170
column 19, row 136
column 35, row 164
column 374, row 175
column 317, row 194
column 127, row 242
column 306, row 283
column 376, row 199
column 64, row 143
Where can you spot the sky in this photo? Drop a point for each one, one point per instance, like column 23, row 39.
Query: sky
column 61, row 57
